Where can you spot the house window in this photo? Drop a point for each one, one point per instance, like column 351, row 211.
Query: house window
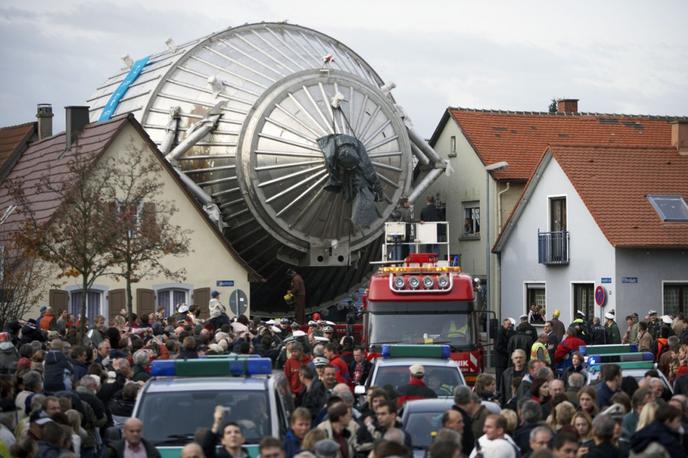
column 675, row 298
column 670, row 208
column 171, row 298
column 452, row 146
column 535, row 296
column 130, row 214
column 471, row 221
column 584, row 299
column 93, row 301
column 557, row 214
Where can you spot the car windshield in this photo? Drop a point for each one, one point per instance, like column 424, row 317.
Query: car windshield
column 441, row 379
column 173, row 417
column 452, row 328
column 421, row 425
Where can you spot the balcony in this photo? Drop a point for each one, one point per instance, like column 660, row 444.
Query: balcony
column 553, row 247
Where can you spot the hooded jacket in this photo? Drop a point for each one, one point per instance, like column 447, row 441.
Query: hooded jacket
column 56, row 368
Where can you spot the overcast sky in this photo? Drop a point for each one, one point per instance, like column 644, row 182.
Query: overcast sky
column 615, row 56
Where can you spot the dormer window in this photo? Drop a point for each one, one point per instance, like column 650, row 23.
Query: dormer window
column 670, row 208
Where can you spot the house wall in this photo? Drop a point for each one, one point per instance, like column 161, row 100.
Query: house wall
column 651, row 268
column 208, row 259
column 591, row 258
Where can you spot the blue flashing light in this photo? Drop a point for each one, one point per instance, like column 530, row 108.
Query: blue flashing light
column 212, row 367
column 386, row 351
column 446, row 351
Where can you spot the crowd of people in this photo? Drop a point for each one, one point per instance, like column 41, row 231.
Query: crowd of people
column 61, row 395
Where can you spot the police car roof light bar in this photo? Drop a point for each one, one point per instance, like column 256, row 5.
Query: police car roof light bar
column 608, row 349
column 415, row 351
column 212, row 367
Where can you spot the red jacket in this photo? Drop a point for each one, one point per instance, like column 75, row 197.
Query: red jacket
column 415, row 389
column 566, row 346
column 47, row 322
column 291, row 371
column 342, row 370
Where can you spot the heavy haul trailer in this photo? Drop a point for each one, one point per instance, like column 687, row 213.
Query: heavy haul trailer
column 291, row 141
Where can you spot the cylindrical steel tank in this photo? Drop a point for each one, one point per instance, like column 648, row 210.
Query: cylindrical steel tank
column 239, row 112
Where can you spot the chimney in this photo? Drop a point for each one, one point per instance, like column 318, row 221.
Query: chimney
column 44, row 113
column 679, row 136
column 77, row 118
column 567, row 106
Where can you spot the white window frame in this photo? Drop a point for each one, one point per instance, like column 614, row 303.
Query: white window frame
column 548, row 210
column 139, row 213
column 95, row 288
column 188, row 289
column 525, row 306
column 452, row 146
column 572, row 298
column 651, row 198
column 466, row 204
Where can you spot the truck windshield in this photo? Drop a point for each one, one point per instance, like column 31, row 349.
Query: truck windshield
column 172, row 418
column 455, row 329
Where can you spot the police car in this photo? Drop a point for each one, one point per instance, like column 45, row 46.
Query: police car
column 181, row 396
column 442, row 374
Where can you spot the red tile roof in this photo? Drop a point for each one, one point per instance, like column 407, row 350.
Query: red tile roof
column 614, row 181
column 13, row 140
column 520, row 137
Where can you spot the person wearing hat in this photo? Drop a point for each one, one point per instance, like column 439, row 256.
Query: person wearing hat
column 631, row 334
column 557, row 326
column 415, row 388
column 611, row 329
column 313, row 394
column 502, row 350
column 581, row 326
column 654, row 324
column 539, row 349
column 218, row 312
column 297, row 288
column 645, row 340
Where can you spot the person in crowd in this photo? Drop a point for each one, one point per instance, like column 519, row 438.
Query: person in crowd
column 299, row 425
column 645, row 338
column 574, row 382
column 565, row 445
column 524, row 337
column 270, row 447
column 495, row 441
column 342, row 370
column 582, row 423
column 329, row 378
column 292, row 367
column 613, row 336
column 631, row 334
column 562, row 414
column 227, row 434
column 524, row 388
column 587, row 401
column 582, row 327
column 517, row 370
column 486, row 387
column 415, row 388
column 540, row 437
column 539, row 350
column 603, row 433
column 502, row 349
column 132, row 443
column 313, row 393
column 464, row 405
column 359, row 367
column 567, row 346
column 530, row 415
column 539, row 392
column 552, row 339
column 557, row 326
column 453, row 420
column 612, row 383
column 336, row 426
column 577, row 365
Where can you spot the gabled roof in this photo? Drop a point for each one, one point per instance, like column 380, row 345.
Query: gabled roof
column 13, row 141
column 520, row 137
column 614, row 182
column 51, row 157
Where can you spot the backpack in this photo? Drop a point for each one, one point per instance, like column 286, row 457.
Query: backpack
column 8, row 358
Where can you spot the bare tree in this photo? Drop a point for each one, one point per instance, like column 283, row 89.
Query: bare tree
column 77, row 236
column 20, row 275
column 146, row 236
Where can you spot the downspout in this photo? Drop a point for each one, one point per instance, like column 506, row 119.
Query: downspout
column 498, row 292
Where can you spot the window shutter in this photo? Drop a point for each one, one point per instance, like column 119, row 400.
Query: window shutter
column 201, row 297
column 58, row 299
column 145, row 301
column 149, row 221
column 117, row 300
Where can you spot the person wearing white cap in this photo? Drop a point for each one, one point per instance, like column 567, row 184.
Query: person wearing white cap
column 611, row 329
column 415, row 388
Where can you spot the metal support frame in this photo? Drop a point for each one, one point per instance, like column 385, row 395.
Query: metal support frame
column 198, row 131
column 171, row 131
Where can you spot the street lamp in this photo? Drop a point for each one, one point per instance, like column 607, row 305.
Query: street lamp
column 488, row 280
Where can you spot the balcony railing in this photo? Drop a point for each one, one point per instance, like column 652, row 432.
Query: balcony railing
column 553, row 247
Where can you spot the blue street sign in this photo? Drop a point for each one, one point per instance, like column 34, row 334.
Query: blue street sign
column 606, row 280
column 629, row 279
column 225, row 283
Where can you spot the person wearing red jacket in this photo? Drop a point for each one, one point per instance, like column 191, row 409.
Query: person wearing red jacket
column 293, row 365
column 570, row 344
column 332, row 353
column 416, row 388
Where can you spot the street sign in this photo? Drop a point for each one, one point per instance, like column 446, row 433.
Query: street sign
column 600, row 295
column 606, row 280
column 629, row 279
column 224, row 283
column 238, row 302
